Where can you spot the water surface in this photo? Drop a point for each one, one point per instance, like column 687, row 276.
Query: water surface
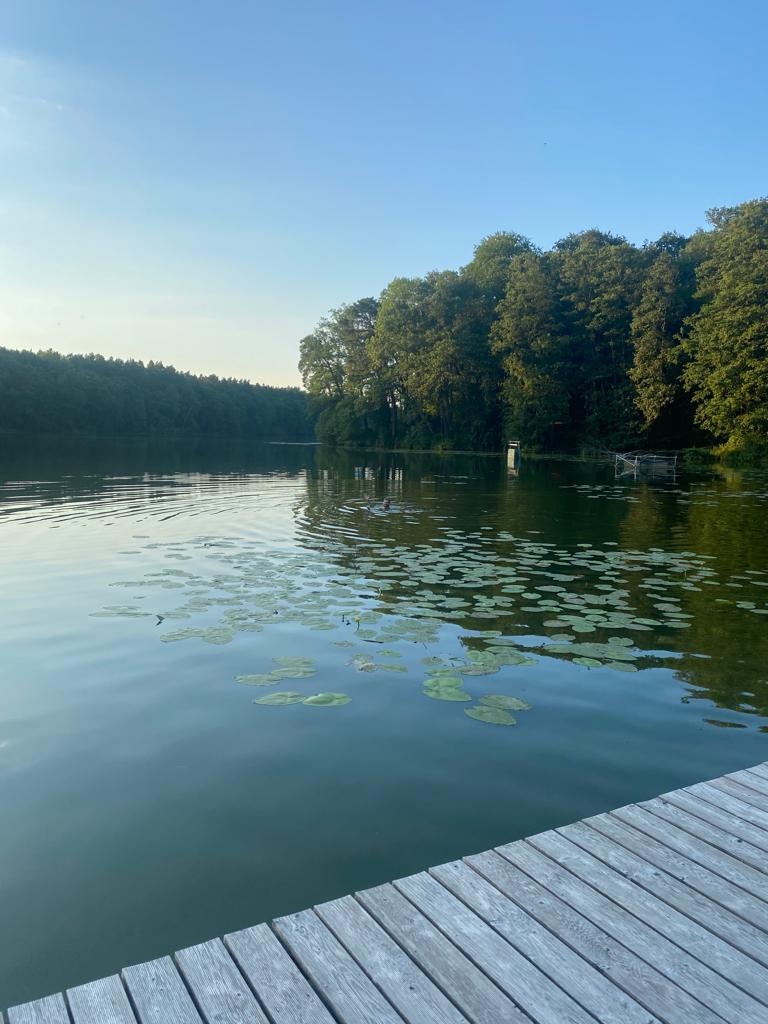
column 147, row 803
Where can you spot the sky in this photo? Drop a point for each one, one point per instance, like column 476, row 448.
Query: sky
column 198, row 182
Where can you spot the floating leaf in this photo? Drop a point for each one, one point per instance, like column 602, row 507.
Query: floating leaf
column 445, row 693
column 588, row 662
column 490, row 715
column 280, row 698
column 327, row 700
column 261, row 679
column 478, row 670
column 501, row 700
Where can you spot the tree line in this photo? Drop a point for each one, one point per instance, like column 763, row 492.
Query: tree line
column 48, row 392
column 595, row 341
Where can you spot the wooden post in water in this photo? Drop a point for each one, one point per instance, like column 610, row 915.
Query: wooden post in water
column 513, row 454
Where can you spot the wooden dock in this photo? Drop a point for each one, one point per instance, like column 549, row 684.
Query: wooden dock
column 655, row 912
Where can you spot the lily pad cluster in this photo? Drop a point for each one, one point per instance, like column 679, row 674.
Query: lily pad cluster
column 520, row 600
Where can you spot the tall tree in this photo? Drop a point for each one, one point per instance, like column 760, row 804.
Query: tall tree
column 530, row 339
column 728, row 341
column 600, row 277
column 666, row 300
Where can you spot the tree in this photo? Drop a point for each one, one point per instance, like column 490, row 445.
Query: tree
column 530, row 340
column 489, row 269
column 666, row 300
column 728, row 341
column 599, row 281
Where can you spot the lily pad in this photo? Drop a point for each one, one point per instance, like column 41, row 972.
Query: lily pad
column 327, row 700
column 280, row 698
column 260, row 679
column 446, row 693
column 491, row 716
column 501, row 700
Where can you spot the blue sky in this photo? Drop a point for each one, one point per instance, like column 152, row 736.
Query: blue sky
column 199, row 182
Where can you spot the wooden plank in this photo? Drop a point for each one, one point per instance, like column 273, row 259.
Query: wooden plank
column 410, row 990
column 704, row 881
column 761, row 770
column 51, row 1010
column 218, row 987
column 649, row 945
column 723, row 864
column 523, row 981
column 282, row 989
column 752, row 781
column 732, row 929
column 464, row 983
column 732, row 968
column 720, row 817
column 158, row 993
column 591, row 989
column 733, row 788
column 648, row 986
column 350, row 993
column 730, row 803
column 100, row 1002
column 716, row 836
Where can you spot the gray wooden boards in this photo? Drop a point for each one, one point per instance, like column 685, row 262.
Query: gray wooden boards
column 100, row 1002
column 218, row 987
column 159, row 994
column 51, row 1010
column 654, row 913
column 279, row 984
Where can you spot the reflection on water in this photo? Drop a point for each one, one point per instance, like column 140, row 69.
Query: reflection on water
column 235, row 684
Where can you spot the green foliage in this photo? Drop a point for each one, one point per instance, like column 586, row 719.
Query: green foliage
column 530, row 339
column 49, row 392
column 659, row 320
column 728, row 343
column 595, row 342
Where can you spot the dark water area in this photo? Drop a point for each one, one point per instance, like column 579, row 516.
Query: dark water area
column 518, row 652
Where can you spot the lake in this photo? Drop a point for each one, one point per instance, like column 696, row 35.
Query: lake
column 510, row 653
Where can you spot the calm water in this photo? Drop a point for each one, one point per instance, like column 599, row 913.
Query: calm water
column 147, row 803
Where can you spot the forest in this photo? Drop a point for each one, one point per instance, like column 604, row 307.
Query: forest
column 47, row 392
column 595, row 342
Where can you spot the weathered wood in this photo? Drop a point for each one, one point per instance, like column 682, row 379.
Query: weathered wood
column 716, row 836
column 721, row 922
column 648, row 986
column 656, row 913
column 218, row 987
column 523, row 981
column 347, row 989
column 280, row 986
column 588, row 986
column 159, row 994
column 410, row 990
column 679, row 929
column 51, row 1010
column 464, row 983
column 649, row 945
column 744, row 793
column 720, row 817
column 751, row 880
column 100, row 1002
column 752, row 781
column 726, row 801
